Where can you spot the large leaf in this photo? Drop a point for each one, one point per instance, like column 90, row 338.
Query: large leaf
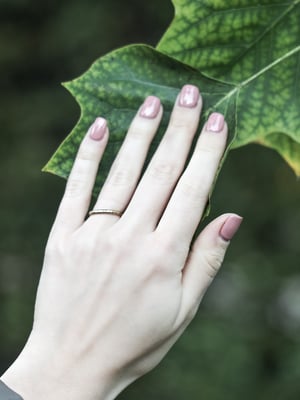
column 116, row 85
column 254, row 44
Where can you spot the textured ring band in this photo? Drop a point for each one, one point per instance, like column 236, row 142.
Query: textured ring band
column 105, row 211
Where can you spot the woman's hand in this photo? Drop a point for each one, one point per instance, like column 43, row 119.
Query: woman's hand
column 117, row 291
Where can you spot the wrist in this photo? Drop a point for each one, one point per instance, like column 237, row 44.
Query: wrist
column 53, row 376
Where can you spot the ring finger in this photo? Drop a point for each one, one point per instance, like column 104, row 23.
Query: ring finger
column 127, row 167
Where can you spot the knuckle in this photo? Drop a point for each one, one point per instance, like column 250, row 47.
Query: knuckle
column 111, row 244
column 156, row 265
column 118, row 243
column 163, row 171
column 191, row 313
column 213, row 261
column 135, row 132
column 121, row 177
column 74, row 187
column 169, row 251
column 207, row 149
column 171, row 246
column 54, row 248
column 178, row 122
column 141, row 129
column 164, row 250
column 86, row 153
column 84, row 249
column 194, row 191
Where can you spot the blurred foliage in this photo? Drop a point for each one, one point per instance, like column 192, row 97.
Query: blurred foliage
column 245, row 341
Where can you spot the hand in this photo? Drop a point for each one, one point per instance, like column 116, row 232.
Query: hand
column 117, row 291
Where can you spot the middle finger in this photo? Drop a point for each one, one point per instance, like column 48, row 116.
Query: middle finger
column 156, row 186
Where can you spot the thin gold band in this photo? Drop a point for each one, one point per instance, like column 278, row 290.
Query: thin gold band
column 105, row 211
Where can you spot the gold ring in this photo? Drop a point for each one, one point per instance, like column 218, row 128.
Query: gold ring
column 105, row 211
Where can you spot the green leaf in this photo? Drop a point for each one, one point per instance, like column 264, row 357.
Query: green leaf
column 254, row 44
column 248, row 53
column 116, row 85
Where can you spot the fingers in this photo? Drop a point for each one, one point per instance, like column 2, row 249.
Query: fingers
column 150, row 202
column 205, row 260
column 158, row 182
column 76, row 199
column 185, row 208
column 127, row 167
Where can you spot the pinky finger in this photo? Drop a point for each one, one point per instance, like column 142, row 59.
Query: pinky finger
column 77, row 196
column 205, row 260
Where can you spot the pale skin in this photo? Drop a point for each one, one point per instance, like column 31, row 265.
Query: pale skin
column 117, row 292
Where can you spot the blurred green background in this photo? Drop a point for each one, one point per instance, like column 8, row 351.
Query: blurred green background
column 245, row 340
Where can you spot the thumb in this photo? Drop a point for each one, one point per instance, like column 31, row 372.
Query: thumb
column 206, row 258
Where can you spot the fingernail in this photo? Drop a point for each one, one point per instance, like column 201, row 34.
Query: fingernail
column 98, row 129
column 230, row 227
column 215, row 122
column 150, row 108
column 189, row 96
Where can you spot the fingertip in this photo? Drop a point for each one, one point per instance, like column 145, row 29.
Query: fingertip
column 219, row 232
column 216, row 123
column 98, row 129
column 230, row 227
column 150, row 108
column 211, row 232
column 189, row 96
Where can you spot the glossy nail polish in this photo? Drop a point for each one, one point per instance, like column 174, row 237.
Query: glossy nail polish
column 150, row 108
column 215, row 123
column 98, row 129
column 189, row 96
column 230, row 227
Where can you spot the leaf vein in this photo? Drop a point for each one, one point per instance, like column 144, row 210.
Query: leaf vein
column 266, row 31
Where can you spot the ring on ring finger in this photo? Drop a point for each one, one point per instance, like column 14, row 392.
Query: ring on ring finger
column 107, row 211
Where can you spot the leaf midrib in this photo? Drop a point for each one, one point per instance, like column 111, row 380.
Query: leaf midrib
column 260, row 37
column 258, row 74
column 266, row 31
column 190, row 24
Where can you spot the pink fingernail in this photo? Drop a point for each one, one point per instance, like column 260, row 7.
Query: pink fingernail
column 215, row 123
column 150, row 108
column 230, row 227
column 98, row 129
column 189, row 96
